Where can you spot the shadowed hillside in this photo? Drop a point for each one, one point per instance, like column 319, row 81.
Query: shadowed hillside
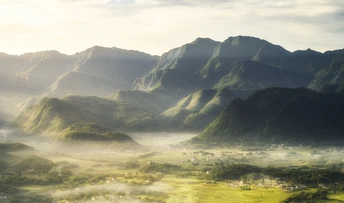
column 177, row 70
column 251, row 75
column 279, row 115
column 198, row 110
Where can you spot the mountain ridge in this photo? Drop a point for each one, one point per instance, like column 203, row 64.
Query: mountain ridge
column 158, row 85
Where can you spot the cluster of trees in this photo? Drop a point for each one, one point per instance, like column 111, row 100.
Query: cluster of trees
column 29, row 170
column 161, row 168
column 305, row 175
column 232, row 172
column 312, row 177
column 129, row 165
column 306, row 197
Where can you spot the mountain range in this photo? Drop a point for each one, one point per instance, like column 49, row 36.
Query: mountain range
column 97, row 71
column 185, row 89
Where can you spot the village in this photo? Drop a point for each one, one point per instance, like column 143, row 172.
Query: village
column 289, row 157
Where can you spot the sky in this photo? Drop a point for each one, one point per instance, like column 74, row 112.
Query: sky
column 156, row 26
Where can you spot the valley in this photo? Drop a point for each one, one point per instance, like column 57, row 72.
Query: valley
column 157, row 173
column 242, row 120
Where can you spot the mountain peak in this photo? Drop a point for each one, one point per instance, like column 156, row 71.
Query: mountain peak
column 200, row 40
column 42, row 55
column 239, row 40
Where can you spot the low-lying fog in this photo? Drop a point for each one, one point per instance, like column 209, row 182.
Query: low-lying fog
column 96, row 159
column 160, row 139
column 112, row 187
column 156, row 140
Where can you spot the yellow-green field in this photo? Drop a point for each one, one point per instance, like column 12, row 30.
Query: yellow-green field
column 191, row 190
column 96, row 175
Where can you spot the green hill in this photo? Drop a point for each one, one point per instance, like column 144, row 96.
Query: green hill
column 279, row 115
column 14, row 147
column 88, row 132
column 52, row 115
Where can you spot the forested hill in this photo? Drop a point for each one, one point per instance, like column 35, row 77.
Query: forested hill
column 279, row 115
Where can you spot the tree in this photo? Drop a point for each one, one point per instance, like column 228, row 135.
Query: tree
column 35, row 163
column 3, row 164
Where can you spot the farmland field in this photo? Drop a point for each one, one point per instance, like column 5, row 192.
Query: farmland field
column 161, row 173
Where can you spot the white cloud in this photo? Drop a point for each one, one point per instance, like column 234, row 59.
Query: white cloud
column 155, row 26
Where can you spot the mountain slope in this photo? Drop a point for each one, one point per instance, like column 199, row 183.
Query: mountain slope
column 95, row 71
column 279, row 115
column 197, row 110
column 227, row 54
column 203, row 63
column 45, row 67
column 333, row 72
column 10, row 84
column 240, row 63
column 100, row 71
column 155, row 101
column 51, row 116
column 79, row 83
column 252, row 75
column 177, row 69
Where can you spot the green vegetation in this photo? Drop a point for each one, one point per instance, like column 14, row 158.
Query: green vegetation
column 161, row 168
column 184, row 89
column 252, row 75
column 180, row 64
column 155, row 101
column 55, row 115
column 197, row 110
column 214, row 175
column 278, row 115
column 93, row 132
column 307, row 176
column 233, row 172
column 331, row 73
column 12, row 147
column 34, row 163
column 307, row 197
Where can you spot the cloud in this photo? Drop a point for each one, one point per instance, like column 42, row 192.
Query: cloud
column 121, row 2
column 155, row 26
